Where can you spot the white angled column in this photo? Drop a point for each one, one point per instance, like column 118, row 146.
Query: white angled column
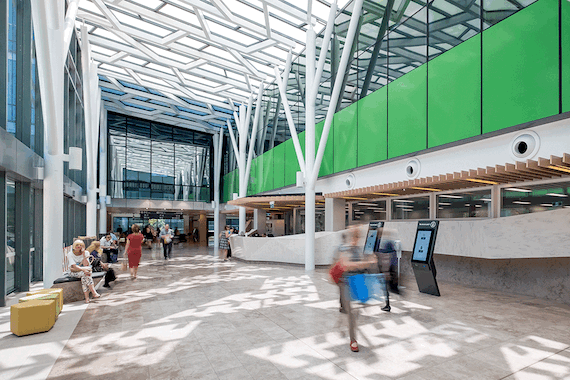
column 218, row 145
column 48, row 21
column 103, row 172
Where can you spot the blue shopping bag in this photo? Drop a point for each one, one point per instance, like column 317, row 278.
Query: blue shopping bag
column 358, row 289
column 364, row 287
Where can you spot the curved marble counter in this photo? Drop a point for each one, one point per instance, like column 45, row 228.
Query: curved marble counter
column 537, row 235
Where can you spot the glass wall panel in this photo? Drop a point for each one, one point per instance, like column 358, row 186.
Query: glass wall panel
column 471, row 204
column 369, row 210
column 412, row 208
column 498, row 10
column 535, row 198
column 10, row 236
column 11, row 98
column 451, row 23
column 156, row 161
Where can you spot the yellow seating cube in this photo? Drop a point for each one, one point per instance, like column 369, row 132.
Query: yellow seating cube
column 44, row 296
column 32, row 317
column 57, row 291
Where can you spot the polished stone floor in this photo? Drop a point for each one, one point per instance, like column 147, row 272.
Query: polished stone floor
column 194, row 317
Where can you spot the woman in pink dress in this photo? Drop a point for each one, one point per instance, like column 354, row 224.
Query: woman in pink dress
column 134, row 249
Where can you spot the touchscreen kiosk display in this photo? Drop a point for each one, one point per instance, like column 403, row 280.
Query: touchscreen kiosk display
column 370, row 242
column 421, row 247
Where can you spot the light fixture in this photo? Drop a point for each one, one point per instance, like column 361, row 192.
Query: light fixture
column 356, row 199
column 559, row 168
column 485, row 200
column 444, row 204
column 546, row 204
column 424, row 188
column 481, row 181
column 478, row 206
column 386, row 194
column 404, row 200
column 405, row 206
column 450, row 196
column 518, row 190
column 366, row 204
column 557, row 195
column 521, row 202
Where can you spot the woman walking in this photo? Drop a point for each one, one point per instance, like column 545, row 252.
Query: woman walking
column 134, row 249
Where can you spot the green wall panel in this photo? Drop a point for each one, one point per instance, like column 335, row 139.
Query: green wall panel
column 279, row 166
column 372, row 127
column 565, row 56
column 327, row 165
column 520, row 67
column 454, row 94
column 407, row 113
column 291, row 163
column 267, row 158
column 345, row 138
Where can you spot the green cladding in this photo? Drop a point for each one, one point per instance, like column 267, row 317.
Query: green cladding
column 407, row 113
column 565, row 51
column 454, row 94
column 508, row 75
column 373, row 127
column 345, row 138
column 327, row 165
column 520, row 67
column 278, row 166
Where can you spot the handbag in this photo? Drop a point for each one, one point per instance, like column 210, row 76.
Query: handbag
column 336, row 272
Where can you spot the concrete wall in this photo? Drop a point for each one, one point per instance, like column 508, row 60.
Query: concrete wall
column 541, row 234
column 547, row 278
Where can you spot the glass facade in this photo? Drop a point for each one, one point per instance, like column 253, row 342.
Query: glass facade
column 125, row 223
column 149, row 160
column 534, row 198
column 470, row 204
column 369, row 210
column 11, row 96
column 10, row 236
column 412, row 208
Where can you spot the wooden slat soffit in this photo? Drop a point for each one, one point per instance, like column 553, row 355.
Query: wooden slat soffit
column 542, row 168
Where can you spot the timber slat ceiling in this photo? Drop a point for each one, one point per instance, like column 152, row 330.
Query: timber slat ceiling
column 542, row 168
column 282, row 202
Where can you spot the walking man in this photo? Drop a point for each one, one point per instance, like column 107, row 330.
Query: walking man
column 166, row 237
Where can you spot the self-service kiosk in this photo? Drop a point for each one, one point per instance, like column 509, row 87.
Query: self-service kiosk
column 373, row 237
column 422, row 257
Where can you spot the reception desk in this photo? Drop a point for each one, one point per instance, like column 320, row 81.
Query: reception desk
column 285, row 249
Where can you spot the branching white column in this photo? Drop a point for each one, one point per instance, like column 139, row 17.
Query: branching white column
column 103, row 171
column 314, row 72
column 47, row 16
column 244, row 161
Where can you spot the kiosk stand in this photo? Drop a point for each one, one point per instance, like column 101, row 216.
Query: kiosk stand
column 373, row 237
column 422, row 257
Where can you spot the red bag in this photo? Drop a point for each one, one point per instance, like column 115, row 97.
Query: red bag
column 336, row 272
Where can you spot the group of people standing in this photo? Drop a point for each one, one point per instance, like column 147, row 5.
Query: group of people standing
column 225, row 247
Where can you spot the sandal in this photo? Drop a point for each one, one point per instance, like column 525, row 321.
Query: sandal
column 354, row 346
column 96, row 295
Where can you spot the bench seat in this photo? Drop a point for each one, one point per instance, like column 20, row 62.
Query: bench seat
column 71, row 286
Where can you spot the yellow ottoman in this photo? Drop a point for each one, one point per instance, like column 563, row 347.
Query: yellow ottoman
column 58, row 291
column 32, row 317
column 44, row 296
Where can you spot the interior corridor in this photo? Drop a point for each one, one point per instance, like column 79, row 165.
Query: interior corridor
column 194, row 317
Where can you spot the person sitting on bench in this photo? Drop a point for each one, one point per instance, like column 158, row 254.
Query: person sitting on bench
column 98, row 265
column 79, row 267
column 109, row 249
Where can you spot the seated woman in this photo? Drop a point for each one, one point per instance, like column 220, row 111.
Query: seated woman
column 79, row 267
column 98, row 265
column 148, row 237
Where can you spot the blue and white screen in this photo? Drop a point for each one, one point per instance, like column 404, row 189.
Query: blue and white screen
column 370, row 242
column 422, row 245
